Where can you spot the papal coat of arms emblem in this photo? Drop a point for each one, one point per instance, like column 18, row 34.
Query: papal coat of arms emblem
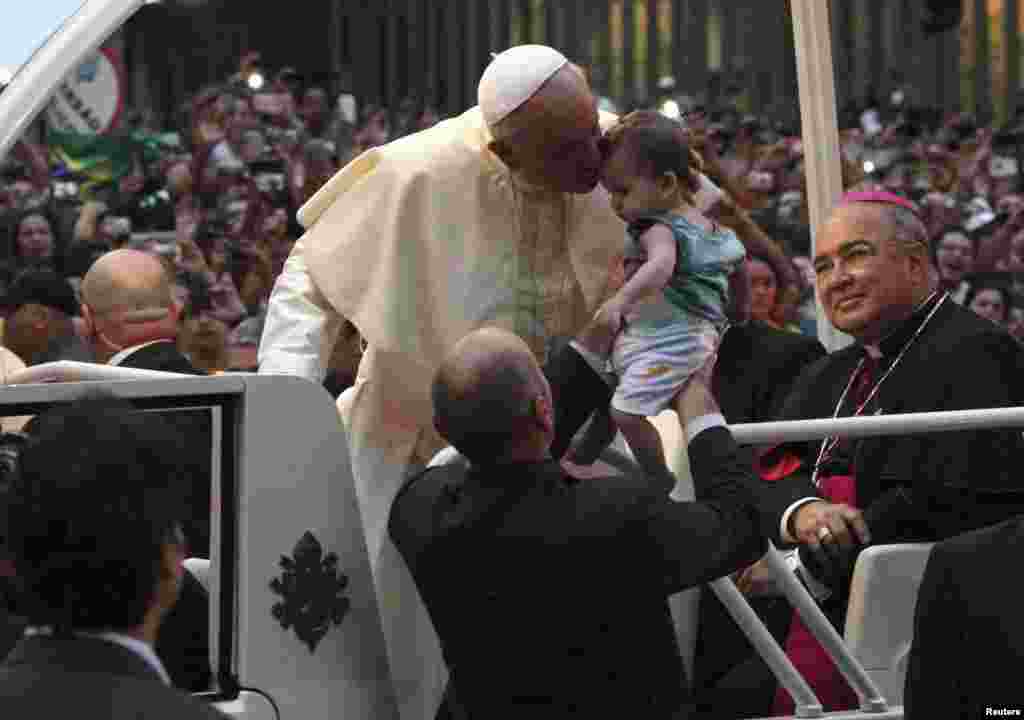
column 312, row 591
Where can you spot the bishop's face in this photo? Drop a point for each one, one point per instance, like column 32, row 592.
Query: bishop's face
column 866, row 282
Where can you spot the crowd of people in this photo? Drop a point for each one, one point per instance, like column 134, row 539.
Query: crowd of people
column 921, row 264
column 214, row 198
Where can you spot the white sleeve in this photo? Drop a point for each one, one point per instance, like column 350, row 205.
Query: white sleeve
column 784, row 532
column 703, row 422
column 300, row 328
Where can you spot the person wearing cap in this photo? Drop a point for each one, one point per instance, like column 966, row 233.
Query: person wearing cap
column 915, row 351
column 494, row 217
column 40, row 326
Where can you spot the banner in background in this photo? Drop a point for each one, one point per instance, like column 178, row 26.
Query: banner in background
column 91, row 98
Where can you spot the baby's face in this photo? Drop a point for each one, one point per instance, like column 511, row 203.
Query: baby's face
column 633, row 194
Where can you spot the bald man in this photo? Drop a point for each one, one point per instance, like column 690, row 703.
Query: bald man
column 916, row 351
column 492, row 218
column 131, row 319
column 130, row 315
column 550, row 594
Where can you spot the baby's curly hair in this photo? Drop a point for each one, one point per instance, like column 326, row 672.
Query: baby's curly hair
column 659, row 145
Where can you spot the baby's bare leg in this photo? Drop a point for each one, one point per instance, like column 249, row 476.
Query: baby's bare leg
column 645, row 442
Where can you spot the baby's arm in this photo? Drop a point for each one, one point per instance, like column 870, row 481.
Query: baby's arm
column 653, row 275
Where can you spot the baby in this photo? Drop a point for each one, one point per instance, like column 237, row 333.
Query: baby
column 671, row 311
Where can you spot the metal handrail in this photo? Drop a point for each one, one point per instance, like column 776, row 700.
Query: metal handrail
column 69, row 371
column 874, row 426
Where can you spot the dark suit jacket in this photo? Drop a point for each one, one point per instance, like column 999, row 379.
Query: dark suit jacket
column 921, row 487
column 968, row 628
column 46, row 677
column 757, row 365
column 549, row 594
column 196, row 436
column 184, row 640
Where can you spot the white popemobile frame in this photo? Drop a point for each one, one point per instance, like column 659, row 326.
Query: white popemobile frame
column 263, row 656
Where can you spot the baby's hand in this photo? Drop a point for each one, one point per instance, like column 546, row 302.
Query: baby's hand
column 609, row 315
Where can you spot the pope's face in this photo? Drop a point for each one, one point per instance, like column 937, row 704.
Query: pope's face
column 563, row 152
column 866, row 282
column 557, row 145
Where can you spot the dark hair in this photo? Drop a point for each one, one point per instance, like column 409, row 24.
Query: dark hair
column 659, row 144
column 987, row 282
column 97, row 496
column 951, row 230
column 480, row 420
column 56, row 260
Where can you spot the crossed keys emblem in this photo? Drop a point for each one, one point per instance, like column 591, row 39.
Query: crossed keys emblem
column 312, row 592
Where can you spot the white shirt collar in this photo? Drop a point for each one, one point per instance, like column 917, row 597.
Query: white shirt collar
column 121, row 356
column 143, row 650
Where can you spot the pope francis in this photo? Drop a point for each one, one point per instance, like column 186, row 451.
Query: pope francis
column 491, row 218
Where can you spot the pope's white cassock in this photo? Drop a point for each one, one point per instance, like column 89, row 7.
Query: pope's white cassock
column 417, row 243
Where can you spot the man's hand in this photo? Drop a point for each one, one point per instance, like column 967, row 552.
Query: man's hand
column 610, row 315
column 596, row 338
column 696, row 399
column 823, row 524
column 757, row 580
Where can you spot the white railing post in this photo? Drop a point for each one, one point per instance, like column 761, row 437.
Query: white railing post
column 807, row 704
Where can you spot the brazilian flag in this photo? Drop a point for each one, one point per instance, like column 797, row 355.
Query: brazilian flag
column 100, row 161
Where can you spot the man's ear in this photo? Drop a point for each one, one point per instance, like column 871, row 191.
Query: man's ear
column 88, row 320
column 504, row 152
column 920, row 265
column 668, row 184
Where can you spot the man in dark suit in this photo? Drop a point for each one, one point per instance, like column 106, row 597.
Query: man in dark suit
column 548, row 593
column 916, row 351
column 968, row 628
column 93, row 526
column 757, row 365
column 131, row 319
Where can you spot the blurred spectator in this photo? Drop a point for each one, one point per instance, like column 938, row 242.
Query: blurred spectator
column 315, row 113
column 763, row 291
column 203, row 336
column 990, row 297
column 93, row 525
column 243, row 343
column 1015, row 325
column 40, row 328
column 954, row 252
column 375, row 129
column 35, row 241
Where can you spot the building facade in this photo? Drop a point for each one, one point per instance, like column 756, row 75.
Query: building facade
column 386, row 50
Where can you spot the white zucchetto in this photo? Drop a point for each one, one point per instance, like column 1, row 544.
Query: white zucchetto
column 515, row 76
